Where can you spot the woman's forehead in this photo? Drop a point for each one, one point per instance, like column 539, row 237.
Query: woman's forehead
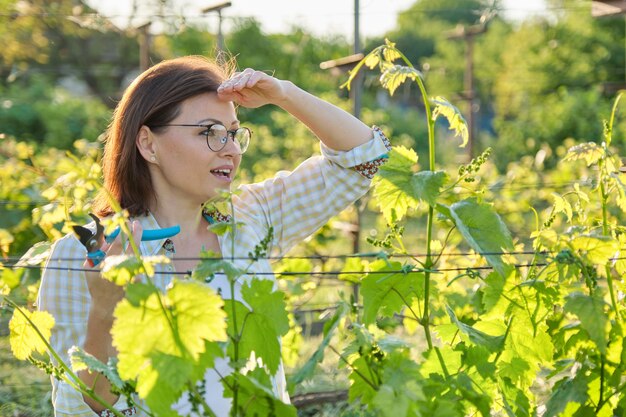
column 208, row 106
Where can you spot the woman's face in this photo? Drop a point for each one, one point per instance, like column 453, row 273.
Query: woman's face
column 186, row 167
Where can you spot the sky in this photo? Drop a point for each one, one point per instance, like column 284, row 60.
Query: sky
column 321, row 17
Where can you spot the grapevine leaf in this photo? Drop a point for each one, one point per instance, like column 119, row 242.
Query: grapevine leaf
column 455, row 119
column 388, row 294
column 256, row 333
column 165, row 336
column 255, row 398
column 372, row 59
column 290, row 268
column 359, row 387
column 390, row 52
column 163, row 382
column 427, row 185
column 260, row 296
column 567, row 390
column 492, row 343
column 589, row 151
column 308, row 368
column 561, row 205
column 393, row 189
column 591, row 311
column 597, row 250
column 515, row 399
column 401, row 390
column 36, row 254
column 121, row 269
column 11, row 278
column 23, row 338
column 484, row 231
column 481, row 401
column 81, row 360
column 352, row 265
column 432, row 365
column 394, row 75
column 209, row 267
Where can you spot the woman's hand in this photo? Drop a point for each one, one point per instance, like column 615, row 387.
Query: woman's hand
column 104, row 294
column 252, row 89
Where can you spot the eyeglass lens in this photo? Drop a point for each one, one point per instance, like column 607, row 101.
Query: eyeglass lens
column 217, row 138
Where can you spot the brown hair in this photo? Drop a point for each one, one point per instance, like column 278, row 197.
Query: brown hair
column 154, row 98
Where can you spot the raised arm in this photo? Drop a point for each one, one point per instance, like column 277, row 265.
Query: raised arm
column 336, row 128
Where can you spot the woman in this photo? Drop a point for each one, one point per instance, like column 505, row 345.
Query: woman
column 174, row 143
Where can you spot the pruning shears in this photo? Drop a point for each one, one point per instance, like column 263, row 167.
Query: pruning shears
column 94, row 241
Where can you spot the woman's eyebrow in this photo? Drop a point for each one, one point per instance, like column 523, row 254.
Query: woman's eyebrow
column 235, row 122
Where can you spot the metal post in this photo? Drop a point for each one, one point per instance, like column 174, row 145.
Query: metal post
column 144, row 46
column 218, row 8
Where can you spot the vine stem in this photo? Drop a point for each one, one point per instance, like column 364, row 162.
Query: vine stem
column 431, row 211
column 356, row 371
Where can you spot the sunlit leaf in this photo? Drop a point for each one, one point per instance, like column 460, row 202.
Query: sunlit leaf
column 427, row 185
column 35, row 255
column 455, row 119
column 394, row 75
column 163, row 338
column 393, row 188
column 24, row 339
column 561, row 205
column 591, row 311
column 588, row 151
column 81, row 360
column 256, row 397
column 597, row 250
column 388, row 294
column 567, row 391
column 372, row 60
column 492, row 343
column 484, row 231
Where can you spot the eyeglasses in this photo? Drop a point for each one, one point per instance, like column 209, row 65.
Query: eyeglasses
column 217, row 136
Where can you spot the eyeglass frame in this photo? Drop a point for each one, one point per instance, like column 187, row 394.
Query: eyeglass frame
column 230, row 134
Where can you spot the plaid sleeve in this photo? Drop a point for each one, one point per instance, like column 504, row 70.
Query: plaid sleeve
column 64, row 294
column 298, row 203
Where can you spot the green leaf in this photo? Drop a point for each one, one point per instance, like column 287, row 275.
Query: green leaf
column 427, row 185
column 307, row 370
column 591, row 311
column 164, row 337
column 11, row 278
column 264, row 301
column 393, row 188
column 484, row 231
column 568, row 390
column 359, row 387
column 256, row 334
column 207, row 268
column 453, row 115
column 561, row 205
column 23, row 338
column 121, row 269
column 289, row 268
column 388, row 294
column 36, row 255
column 589, row 151
column 598, row 250
column 353, row 265
column 81, row 360
column 432, row 365
column 492, row 343
column 255, row 398
column 394, row 75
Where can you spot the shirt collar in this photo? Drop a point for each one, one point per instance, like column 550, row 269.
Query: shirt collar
column 148, row 222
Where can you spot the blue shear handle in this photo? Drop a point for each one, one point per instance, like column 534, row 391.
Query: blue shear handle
column 146, row 235
column 96, row 257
